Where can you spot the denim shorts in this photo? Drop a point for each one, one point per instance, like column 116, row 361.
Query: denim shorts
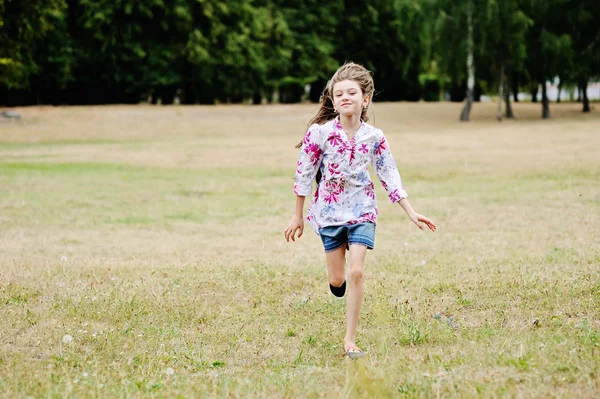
column 334, row 237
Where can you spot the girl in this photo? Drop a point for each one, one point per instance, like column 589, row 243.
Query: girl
column 337, row 149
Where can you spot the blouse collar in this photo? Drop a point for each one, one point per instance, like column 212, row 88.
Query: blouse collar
column 338, row 125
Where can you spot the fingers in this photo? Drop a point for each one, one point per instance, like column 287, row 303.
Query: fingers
column 286, row 234
column 431, row 225
column 428, row 222
column 290, row 232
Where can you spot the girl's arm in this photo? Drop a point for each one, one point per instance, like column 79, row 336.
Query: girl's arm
column 309, row 161
column 385, row 167
column 296, row 222
column 387, row 171
column 417, row 219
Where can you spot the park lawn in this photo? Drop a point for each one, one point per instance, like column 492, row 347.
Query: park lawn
column 142, row 254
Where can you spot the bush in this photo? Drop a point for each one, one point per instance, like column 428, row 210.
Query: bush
column 291, row 90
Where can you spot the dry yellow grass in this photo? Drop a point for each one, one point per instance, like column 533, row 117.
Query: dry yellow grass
column 153, row 237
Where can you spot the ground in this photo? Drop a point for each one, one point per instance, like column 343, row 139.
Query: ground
column 142, row 254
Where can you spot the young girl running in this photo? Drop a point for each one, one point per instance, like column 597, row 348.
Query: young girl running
column 336, row 151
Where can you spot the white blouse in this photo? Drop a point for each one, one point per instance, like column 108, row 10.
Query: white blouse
column 345, row 195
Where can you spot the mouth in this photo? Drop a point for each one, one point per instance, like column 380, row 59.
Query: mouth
column 343, row 105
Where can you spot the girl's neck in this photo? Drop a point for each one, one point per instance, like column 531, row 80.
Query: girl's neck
column 350, row 124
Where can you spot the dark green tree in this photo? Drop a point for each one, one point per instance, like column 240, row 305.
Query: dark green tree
column 548, row 47
column 584, row 30
column 385, row 36
column 312, row 45
column 506, row 46
column 32, row 42
column 461, row 41
column 128, row 50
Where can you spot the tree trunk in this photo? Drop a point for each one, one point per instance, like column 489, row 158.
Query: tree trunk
column 257, row 99
column 586, row 101
column 545, row 106
column 515, row 87
column 500, row 93
column 466, row 111
column 560, row 85
column 579, row 92
column 270, row 94
column 534, row 93
column 509, row 112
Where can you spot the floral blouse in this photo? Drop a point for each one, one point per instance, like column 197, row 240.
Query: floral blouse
column 345, row 194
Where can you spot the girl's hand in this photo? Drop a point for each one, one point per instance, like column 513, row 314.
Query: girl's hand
column 421, row 221
column 296, row 224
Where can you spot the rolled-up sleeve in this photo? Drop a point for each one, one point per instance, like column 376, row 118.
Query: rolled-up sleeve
column 385, row 167
column 309, row 161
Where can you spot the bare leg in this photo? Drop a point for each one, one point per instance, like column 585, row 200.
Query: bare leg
column 356, row 291
column 336, row 266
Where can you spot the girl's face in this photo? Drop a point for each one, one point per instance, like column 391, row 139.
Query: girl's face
column 348, row 98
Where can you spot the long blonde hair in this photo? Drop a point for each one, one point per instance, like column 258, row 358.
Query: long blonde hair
column 348, row 71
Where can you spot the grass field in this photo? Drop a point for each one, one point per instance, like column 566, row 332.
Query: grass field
column 142, row 254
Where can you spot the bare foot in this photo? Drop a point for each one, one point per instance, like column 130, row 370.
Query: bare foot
column 353, row 352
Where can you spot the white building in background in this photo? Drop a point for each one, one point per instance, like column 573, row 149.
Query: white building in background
column 570, row 94
column 593, row 92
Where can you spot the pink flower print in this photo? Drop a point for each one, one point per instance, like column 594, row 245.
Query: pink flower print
column 333, row 169
column 335, row 139
column 352, row 154
column 331, row 197
column 343, row 148
column 363, row 149
column 384, row 184
column 370, row 191
column 380, row 147
column 315, row 153
column 332, row 192
column 332, row 187
column 367, row 217
column 395, row 196
column 299, row 169
column 310, row 147
column 306, row 138
column 338, row 125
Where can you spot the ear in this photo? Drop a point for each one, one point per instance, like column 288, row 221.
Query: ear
column 366, row 101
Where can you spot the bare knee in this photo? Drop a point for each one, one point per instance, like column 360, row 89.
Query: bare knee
column 336, row 281
column 336, row 275
column 357, row 272
column 336, row 265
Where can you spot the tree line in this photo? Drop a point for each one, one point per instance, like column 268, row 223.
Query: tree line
column 211, row 51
